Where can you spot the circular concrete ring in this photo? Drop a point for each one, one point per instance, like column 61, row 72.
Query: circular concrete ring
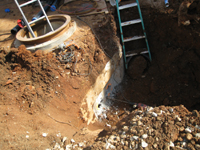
column 21, row 35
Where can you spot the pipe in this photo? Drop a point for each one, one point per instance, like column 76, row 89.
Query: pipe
column 166, row 3
column 17, row 27
column 45, row 8
column 55, row 5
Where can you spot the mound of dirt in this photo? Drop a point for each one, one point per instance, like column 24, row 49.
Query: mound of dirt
column 33, row 79
column 153, row 128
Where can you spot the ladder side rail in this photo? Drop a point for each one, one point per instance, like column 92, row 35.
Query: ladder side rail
column 26, row 21
column 142, row 22
column 45, row 15
column 121, row 32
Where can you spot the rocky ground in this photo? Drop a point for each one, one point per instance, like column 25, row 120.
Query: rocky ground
column 146, row 128
column 153, row 128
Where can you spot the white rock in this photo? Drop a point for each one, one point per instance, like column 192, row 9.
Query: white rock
column 125, row 128
column 134, row 137
column 107, row 145
column 183, row 144
column 68, row 147
column 149, row 109
column 108, row 125
column 44, row 134
column 117, row 139
column 144, row 144
column 112, row 146
column 58, row 135
column 144, row 136
column 171, row 110
column 197, row 146
column 81, row 144
column 112, row 139
column 72, row 140
column 155, row 145
column 64, row 139
column 27, row 136
column 154, row 114
column 179, row 147
column 139, row 123
column 74, row 146
column 136, row 146
column 139, row 111
column 157, row 139
column 178, row 118
column 122, row 142
column 161, row 112
column 134, row 106
column 188, row 130
column 171, row 144
column 133, row 144
column 198, row 127
column 123, row 136
column 133, row 123
column 57, row 146
column 62, row 149
column 197, row 135
column 134, row 120
column 124, row 132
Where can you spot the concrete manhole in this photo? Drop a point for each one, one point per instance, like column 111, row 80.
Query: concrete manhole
column 45, row 38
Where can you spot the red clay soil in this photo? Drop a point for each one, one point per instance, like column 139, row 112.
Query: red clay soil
column 41, row 94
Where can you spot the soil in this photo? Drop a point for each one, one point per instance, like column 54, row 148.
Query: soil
column 172, row 78
column 40, row 95
column 152, row 128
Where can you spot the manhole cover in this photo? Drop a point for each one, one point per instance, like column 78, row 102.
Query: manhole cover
column 78, row 7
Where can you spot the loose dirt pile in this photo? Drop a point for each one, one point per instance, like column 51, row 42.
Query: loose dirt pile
column 34, row 77
column 153, row 128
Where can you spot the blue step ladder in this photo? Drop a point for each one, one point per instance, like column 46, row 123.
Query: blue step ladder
column 145, row 51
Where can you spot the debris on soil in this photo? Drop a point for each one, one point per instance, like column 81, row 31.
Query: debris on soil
column 183, row 16
column 153, row 128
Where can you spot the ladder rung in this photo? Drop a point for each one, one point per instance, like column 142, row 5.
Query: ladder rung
column 136, row 52
column 134, row 38
column 131, row 22
column 27, row 3
column 127, row 6
column 36, row 20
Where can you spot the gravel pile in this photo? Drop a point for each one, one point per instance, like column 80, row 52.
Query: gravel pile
column 153, row 128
